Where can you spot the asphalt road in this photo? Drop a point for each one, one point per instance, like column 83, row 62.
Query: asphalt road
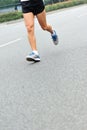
column 51, row 94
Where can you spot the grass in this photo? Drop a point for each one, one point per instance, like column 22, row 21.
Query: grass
column 10, row 16
column 66, row 4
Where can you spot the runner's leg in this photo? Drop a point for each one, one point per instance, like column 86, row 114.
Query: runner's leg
column 43, row 23
column 29, row 23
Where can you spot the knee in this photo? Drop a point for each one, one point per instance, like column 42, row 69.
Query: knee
column 30, row 27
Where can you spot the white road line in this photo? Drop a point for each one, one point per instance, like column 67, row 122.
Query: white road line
column 8, row 43
column 82, row 15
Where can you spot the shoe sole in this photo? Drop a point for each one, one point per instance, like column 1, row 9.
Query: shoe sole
column 31, row 59
column 56, row 43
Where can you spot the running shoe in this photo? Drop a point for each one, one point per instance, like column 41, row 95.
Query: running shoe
column 54, row 37
column 33, row 57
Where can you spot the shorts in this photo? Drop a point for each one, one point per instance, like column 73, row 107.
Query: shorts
column 34, row 6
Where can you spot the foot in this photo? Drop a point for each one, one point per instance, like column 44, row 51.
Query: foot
column 54, row 37
column 33, row 57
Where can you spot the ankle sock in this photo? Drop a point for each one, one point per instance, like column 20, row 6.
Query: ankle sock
column 35, row 51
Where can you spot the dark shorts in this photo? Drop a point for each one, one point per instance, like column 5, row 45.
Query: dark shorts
column 36, row 6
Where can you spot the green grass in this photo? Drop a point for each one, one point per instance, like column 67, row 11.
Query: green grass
column 10, row 16
column 66, row 4
column 17, row 15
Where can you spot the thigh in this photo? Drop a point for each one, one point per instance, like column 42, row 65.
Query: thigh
column 42, row 18
column 29, row 19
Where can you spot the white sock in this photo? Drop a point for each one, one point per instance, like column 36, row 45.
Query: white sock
column 35, row 51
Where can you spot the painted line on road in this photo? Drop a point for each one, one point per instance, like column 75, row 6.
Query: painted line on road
column 82, row 15
column 11, row 42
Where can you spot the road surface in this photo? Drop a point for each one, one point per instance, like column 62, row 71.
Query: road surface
column 51, row 94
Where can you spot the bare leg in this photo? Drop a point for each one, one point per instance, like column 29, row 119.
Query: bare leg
column 29, row 23
column 43, row 23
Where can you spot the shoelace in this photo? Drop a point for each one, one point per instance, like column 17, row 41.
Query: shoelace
column 32, row 53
